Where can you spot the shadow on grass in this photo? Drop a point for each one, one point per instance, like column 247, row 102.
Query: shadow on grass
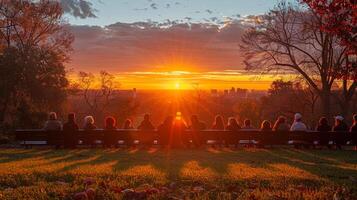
column 248, row 164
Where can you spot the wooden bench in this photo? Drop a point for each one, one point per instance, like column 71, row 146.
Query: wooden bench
column 108, row 138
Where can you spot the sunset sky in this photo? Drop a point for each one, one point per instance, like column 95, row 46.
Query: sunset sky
column 159, row 44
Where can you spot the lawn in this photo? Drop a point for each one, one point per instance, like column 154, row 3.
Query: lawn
column 177, row 174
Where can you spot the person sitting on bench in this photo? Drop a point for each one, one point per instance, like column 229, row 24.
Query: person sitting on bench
column 52, row 124
column 71, row 124
column 323, row 125
column 248, row 125
column 165, row 130
column 340, row 126
column 128, row 124
column 110, row 123
column 196, row 127
column 89, row 123
column 281, row 124
column 233, row 125
column 266, row 126
column 298, row 125
column 146, row 124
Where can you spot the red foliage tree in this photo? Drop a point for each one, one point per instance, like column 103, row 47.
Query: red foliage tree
column 339, row 17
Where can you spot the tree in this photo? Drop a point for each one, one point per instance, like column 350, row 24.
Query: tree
column 34, row 47
column 287, row 98
column 97, row 99
column 290, row 40
column 339, row 17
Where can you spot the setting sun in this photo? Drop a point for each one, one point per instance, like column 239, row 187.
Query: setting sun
column 177, row 85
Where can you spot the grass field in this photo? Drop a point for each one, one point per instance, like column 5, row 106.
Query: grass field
column 178, row 174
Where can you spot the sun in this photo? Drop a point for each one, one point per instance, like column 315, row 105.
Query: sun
column 177, row 85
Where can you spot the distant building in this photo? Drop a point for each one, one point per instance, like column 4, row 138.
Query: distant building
column 232, row 91
column 214, row 92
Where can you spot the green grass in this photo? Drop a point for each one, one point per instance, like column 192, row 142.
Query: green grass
column 185, row 174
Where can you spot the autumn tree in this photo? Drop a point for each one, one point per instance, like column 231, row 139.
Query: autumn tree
column 34, row 48
column 289, row 40
column 339, row 17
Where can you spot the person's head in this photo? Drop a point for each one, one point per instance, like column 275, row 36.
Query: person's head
column 146, row 117
column 281, row 120
column 110, row 122
column 52, row 116
column 232, row 121
column 247, row 123
column 88, row 120
column 127, row 123
column 355, row 118
column 338, row 120
column 71, row 117
column 297, row 117
column 265, row 125
column 194, row 119
column 323, row 121
column 218, row 120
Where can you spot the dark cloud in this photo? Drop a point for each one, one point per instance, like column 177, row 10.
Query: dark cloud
column 78, row 8
column 209, row 11
column 144, row 46
column 153, row 6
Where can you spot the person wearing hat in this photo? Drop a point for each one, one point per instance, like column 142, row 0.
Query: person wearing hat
column 340, row 125
column 298, row 125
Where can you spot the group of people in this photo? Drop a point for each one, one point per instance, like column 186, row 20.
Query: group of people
column 281, row 124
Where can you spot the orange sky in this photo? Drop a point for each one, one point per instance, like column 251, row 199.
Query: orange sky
column 190, row 80
column 146, row 55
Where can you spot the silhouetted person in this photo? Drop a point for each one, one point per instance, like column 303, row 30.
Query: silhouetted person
column 69, row 128
column 196, row 127
column 89, row 123
column 298, row 125
column 265, row 126
column 281, row 124
column 353, row 128
column 323, row 125
column 218, row 123
column 52, row 124
column 247, row 125
column 128, row 124
column 71, row 124
column 340, row 126
column 146, row 124
column 176, row 139
column 165, row 130
column 233, row 125
column 110, row 123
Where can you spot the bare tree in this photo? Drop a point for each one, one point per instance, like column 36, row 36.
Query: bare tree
column 97, row 91
column 289, row 39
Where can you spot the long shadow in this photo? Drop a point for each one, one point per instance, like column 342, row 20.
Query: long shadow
column 334, row 166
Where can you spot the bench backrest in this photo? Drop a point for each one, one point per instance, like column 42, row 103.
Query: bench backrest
column 113, row 137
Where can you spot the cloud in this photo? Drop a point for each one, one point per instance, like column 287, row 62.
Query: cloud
column 153, row 6
column 209, row 11
column 148, row 46
column 78, row 8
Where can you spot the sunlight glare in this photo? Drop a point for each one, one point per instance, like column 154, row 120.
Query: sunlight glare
column 177, row 85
